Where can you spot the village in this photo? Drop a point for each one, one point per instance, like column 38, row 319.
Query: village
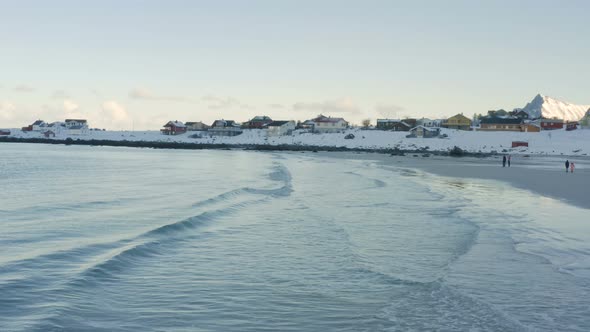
column 515, row 121
column 544, row 126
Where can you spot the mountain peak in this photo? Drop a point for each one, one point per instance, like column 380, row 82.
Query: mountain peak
column 548, row 107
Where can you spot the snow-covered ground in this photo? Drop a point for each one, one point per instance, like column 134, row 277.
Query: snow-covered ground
column 556, row 142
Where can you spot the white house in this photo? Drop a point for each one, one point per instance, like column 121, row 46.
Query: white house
column 325, row 124
column 280, row 128
column 56, row 127
column 426, row 122
column 76, row 126
column 39, row 125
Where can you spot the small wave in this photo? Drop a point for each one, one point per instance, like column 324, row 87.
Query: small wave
column 279, row 174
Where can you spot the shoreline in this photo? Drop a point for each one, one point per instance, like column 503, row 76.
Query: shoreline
column 544, row 175
column 540, row 175
column 455, row 152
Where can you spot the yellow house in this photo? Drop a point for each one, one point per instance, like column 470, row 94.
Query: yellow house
column 458, row 121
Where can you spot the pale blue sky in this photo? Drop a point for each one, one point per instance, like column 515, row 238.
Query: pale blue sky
column 139, row 63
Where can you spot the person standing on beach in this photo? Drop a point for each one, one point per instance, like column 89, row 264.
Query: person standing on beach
column 567, row 165
column 509, row 157
column 504, row 161
column 572, row 166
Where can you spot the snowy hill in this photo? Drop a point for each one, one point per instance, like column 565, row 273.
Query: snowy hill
column 547, row 107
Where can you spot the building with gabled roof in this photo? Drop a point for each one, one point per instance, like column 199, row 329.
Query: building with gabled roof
column 280, row 128
column 174, row 128
column 326, row 124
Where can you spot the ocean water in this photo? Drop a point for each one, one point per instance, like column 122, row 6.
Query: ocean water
column 120, row 239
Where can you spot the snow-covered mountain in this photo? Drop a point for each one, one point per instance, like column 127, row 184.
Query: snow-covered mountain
column 547, row 107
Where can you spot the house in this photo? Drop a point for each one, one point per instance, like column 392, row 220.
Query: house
column 529, row 127
column 521, row 115
column 76, row 126
column 38, row 125
column 325, row 124
column 174, row 128
column 280, row 128
column 458, row 121
column 428, row 122
column 76, row 123
column 500, row 124
column 4, row 132
column 224, row 128
column 395, row 124
column 195, row 126
column 257, row 122
column 551, row 124
column 307, row 124
column 27, row 128
column 424, row 132
column 56, row 127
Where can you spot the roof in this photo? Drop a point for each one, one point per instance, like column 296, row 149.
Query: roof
column 322, row 118
column 38, row 122
column 75, row 120
column 261, row 118
column 459, row 116
column 394, row 121
column 226, row 123
column 426, row 128
column 174, row 124
column 194, row 123
column 495, row 120
column 552, row 120
column 277, row 123
column 388, row 120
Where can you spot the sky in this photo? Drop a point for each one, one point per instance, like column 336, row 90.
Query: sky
column 137, row 64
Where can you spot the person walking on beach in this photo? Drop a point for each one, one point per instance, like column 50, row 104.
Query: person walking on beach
column 504, row 161
column 567, row 165
column 509, row 157
column 572, row 166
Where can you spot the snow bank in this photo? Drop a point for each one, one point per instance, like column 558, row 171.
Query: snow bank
column 556, row 142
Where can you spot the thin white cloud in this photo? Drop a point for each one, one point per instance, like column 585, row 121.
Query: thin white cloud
column 70, row 106
column 388, row 110
column 341, row 105
column 223, row 103
column 144, row 94
column 276, row 106
column 24, row 88
column 114, row 114
column 7, row 111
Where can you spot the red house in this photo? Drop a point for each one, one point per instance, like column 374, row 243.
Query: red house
column 551, row 124
column 173, row 128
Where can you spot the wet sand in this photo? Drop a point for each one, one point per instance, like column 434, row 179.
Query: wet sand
column 542, row 175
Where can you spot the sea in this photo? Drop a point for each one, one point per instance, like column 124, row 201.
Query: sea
column 125, row 239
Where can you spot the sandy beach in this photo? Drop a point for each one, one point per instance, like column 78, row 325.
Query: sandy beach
column 545, row 176
column 542, row 175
